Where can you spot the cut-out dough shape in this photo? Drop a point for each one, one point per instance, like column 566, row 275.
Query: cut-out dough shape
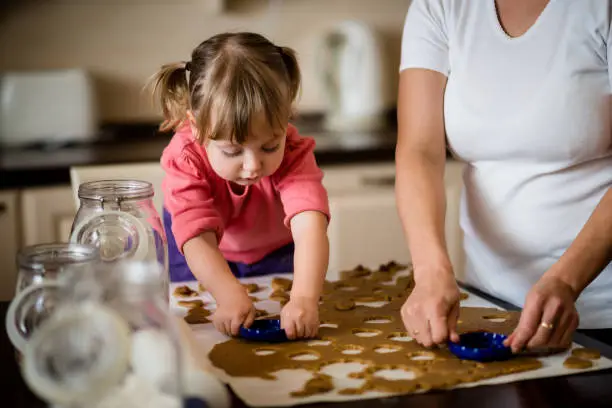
column 400, row 336
column 586, row 353
column 421, row 356
column 264, row 351
column 387, row 348
column 366, row 332
column 577, row 363
column 305, row 355
column 328, row 325
column 372, row 305
column 378, row 319
column 396, row 374
column 350, row 349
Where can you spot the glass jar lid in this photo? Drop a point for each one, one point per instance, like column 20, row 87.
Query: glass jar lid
column 115, row 190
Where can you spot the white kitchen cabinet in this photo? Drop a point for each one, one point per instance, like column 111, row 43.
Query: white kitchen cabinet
column 47, row 214
column 9, row 239
column 365, row 227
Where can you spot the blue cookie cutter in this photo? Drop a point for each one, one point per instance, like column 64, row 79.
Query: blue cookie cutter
column 266, row 330
column 481, row 346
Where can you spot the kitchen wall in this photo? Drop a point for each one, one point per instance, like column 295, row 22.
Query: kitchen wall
column 124, row 41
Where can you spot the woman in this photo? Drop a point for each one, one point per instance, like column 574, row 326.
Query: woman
column 521, row 89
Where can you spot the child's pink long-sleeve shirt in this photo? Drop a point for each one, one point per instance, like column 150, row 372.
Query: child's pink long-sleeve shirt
column 249, row 225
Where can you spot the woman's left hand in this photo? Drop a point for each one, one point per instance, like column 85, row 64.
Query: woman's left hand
column 300, row 318
column 549, row 318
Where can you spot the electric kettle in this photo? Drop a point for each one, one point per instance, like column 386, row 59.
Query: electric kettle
column 351, row 64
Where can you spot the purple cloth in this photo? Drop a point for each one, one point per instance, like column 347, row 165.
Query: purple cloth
column 279, row 261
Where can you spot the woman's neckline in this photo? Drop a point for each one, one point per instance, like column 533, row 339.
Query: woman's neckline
column 499, row 28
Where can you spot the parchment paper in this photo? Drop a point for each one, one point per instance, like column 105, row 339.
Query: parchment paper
column 258, row 393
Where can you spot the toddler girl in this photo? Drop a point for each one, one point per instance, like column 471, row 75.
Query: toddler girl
column 242, row 191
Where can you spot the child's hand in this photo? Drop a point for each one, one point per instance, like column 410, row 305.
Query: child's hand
column 235, row 309
column 300, row 318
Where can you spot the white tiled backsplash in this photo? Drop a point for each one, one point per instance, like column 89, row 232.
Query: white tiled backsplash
column 124, row 42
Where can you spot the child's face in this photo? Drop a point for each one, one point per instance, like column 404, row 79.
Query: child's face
column 247, row 163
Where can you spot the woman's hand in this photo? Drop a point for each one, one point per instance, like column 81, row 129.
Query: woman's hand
column 234, row 309
column 431, row 311
column 300, row 318
column 548, row 319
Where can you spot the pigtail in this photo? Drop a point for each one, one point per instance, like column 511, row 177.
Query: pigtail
column 171, row 90
column 293, row 70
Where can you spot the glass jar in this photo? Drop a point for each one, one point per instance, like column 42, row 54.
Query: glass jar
column 38, row 263
column 112, row 342
column 40, row 267
column 118, row 216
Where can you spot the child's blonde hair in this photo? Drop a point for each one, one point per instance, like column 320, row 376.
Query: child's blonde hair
column 230, row 78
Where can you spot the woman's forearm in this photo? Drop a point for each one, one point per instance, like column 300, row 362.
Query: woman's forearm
column 420, row 159
column 209, row 266
column 311, row 255
column 590, row 252
column 421, row 203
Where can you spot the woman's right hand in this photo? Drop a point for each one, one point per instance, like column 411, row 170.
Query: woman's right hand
column 431, row 311
column 234, row 309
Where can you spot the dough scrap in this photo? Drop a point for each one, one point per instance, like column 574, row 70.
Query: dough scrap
column 279, row 296
column 185, row 291
column 251, row 287
column 358, row 272
column 190, row 304
column 281, row 284
column 319, row 384
column 197, row 315
column 431, row 369
column 345, row 304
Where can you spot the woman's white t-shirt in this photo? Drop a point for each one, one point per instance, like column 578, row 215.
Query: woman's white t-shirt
column 531, row 117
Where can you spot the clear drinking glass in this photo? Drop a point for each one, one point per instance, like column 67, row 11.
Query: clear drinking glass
column 118, row 216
